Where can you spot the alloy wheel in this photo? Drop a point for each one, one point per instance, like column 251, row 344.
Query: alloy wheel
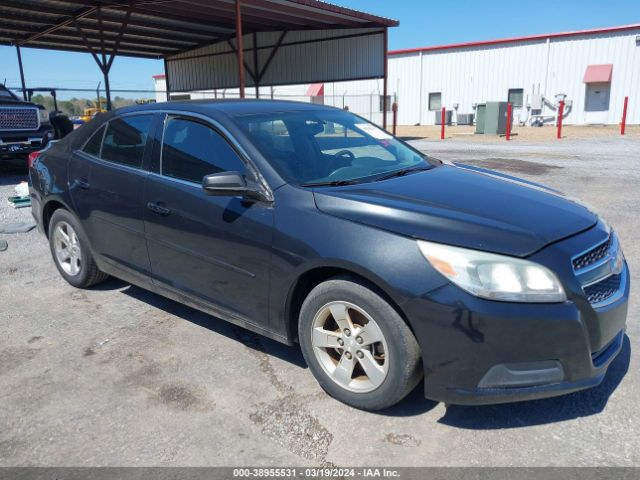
column 350, row 347
column 67, row 248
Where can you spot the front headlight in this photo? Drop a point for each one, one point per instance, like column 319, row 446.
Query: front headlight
column 496, row 277
column 44, row 115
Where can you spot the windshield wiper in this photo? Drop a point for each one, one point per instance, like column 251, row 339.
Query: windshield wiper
column 402, row 172
column 332, row 183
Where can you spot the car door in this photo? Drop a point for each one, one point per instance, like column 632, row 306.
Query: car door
column 109, row 185
column 216, row 249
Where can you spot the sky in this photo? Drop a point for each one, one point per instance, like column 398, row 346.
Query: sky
column 422, row 23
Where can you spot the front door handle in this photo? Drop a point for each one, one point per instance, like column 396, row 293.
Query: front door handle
column 83, row 183
column 159, row 208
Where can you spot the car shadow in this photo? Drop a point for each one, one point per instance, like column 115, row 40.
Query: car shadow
column 290, row 354
column 409, row 138
column 485, row 417
column 13, row 171
column 539, row 412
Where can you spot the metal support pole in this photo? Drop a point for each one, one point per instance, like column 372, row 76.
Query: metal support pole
column 107, row 88
column 384, row 81
column 240, row 48
column 24, row 88
column 443, row 116
column 167, row 86
column 509, row 113
column 394, row 108
column 255, row 64
column 560, row 115
column 623, row 124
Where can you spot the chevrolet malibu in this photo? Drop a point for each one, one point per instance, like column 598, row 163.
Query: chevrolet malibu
column 310, row 225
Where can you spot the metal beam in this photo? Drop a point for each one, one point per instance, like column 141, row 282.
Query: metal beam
column 62, row 23
column 271, row 55
column 136, row 27
column 166, row 80
column 244, row 62
column 240, row 48
column 256, row 81
column 105, row 66
column 114, row 51
column 24, row 89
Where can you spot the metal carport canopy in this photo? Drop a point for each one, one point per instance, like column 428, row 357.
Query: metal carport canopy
column 203, row 42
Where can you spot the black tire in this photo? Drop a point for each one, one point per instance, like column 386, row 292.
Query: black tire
column 404, row 367
column 88, row 274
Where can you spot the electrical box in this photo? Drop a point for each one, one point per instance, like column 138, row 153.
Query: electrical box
column 447, row 117
column 495, row 122
column 481, row 111
column 536, row 101
column 464, row 119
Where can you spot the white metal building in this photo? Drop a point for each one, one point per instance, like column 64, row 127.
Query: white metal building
column 593, row 70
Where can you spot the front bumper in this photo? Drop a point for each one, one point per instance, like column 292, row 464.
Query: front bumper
column 478, row 351
column 21, row 143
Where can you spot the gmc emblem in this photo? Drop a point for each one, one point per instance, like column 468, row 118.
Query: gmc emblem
column 8, row 117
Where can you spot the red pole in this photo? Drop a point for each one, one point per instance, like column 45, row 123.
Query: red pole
column 442, row 120
column 240, row 48
column 508, row 121
column 385, row 60
column 394, row 107
column 560, row 114
column 623, row 125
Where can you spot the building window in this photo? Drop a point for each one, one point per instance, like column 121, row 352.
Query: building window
column 435, row 101
column 515, row 97
column 381, row 97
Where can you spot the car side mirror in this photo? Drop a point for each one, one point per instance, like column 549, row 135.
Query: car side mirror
column 229, row 184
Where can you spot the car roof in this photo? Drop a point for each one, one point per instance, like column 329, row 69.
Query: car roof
column 230, row 107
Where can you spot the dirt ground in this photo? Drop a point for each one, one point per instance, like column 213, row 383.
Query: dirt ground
column 519, row 134
column 118, row 376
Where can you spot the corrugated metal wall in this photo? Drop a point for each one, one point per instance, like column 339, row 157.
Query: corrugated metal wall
column 468, row 76
column 303, row 57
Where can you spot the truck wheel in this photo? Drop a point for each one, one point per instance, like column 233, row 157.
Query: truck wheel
column 71, row 252
column 357, row 345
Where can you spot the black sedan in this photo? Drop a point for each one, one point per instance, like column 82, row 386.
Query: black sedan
column 310, row 225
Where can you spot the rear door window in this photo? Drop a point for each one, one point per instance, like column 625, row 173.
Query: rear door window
column 94, row 144
column 126, row 139
column 192, row 150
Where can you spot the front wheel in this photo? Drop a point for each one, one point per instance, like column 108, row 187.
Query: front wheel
column 71, row 252
column 357, row 345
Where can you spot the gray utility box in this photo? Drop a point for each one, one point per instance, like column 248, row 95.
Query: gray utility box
column 481, row 114
column 447, row 117
column 464, row 119
column 495, row 119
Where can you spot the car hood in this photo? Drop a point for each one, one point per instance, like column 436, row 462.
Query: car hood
column 461, row 206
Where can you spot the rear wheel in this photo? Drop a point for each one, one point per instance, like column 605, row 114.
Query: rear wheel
column 357, row 346
column 71, row 252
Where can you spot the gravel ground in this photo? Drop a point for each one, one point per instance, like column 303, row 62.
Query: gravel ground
column 118, row 376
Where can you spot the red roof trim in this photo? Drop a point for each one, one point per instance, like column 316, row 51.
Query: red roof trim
column 159, row 76
column 517, row 39
column 330, row 7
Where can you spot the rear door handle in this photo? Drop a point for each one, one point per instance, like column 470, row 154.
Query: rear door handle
column 159, row 208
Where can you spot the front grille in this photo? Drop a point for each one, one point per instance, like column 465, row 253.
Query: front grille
column 604, row 289
column 18, row 118
column 592, row 256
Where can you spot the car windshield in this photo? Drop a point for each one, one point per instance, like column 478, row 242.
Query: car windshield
column 329, row 147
